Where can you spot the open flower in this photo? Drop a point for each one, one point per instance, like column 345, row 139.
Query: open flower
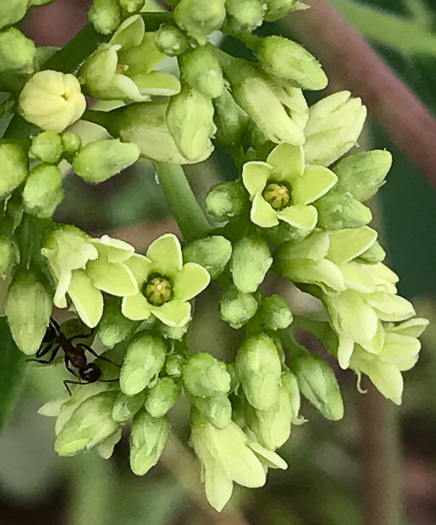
column 84, row 267
column 283, row 188
column 165, row 283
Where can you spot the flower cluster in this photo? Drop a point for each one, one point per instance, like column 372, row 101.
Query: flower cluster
column 296, row 208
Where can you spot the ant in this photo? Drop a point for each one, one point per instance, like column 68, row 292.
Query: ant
column 74, row 355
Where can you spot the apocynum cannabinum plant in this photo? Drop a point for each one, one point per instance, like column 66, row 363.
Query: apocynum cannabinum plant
column 295, row 207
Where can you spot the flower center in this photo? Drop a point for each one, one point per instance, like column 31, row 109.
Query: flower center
column 158, row 290
column 277, row 194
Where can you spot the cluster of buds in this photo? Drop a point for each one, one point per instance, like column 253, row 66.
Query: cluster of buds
column 296, row 209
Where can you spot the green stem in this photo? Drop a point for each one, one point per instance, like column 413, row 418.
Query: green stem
column 178, row 193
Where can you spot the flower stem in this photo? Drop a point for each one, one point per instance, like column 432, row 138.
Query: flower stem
column 187, row 212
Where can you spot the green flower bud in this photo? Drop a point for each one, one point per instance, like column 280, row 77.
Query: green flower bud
column 363, row 174
column 289, row 61
column 190, row 121
column 272, row 427
column 13, row 161
column 199, row 18
column 373, row 255
column 231, row 121
column 205, row 376
column 174, row 365
column 162, row 397
column 336, row 212
column 8, row 254
column 47, row 146
column 71, row 143
column 251, row 260
column 275, row 312
column 102, row 159
column 259, row 368
column 213, row 253
column 52, row 100
column 132, row 6
column 105, row 15
column 237, row 308
column 226, row 200
column 334, row 125
column 144, row 359
column 170, row 40
column 318, row 384
column 12, row 12
column 276, row 9
column 28, row 309
column 114, row 327
column 126, row 407
column 202, row 71
column 290, row 383
column 173, row 332
column 17, row 52
column 244, row 16
column 217, row 410
column 147, row 440
column 43, row 191
column 90, row 424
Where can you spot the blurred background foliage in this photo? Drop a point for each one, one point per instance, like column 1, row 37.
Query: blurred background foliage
column 336, row 470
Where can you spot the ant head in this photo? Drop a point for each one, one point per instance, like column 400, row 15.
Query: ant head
column 90, row 373
column 50, row 334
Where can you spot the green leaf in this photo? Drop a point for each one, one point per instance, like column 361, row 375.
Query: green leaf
column 11, row 369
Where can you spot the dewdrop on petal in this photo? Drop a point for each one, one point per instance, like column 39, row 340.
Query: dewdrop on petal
column 52, row 100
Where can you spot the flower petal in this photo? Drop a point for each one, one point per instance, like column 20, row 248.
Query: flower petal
column 113, row 278
column 262, row 213
column 87, row 300
column 345, row 351
column 357, row 278
column 157, row 83
column 287, row 161
column 391, row 307
column 115, row 250
column 192, row 280
column 300, row 216
column 255, row 175
column 385, row 377
column 346, row 245
column 136, row 307
column 376, row 344
column 165, row 253
column 140, row 266
column 267, row 457
column 173, row 313
column 413, row 328
column 399, row 347
column 315, row 182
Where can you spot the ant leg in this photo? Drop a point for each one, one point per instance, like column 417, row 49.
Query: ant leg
column 94, row 353
column 55, row 324
column 43, row 351
column 49, row 360
column 108, row 380
column 83, row 336
column 67, row 366
column 68, row 382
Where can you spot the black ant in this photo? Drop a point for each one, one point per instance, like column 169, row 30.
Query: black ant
column 74, row 355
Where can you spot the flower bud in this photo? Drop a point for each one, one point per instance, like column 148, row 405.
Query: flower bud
column 373, row 255
column 363, row 174
column 43, row 191
column 276, row 9
column 289, row 61
column 226, row 200
column 336, row 211
column 8, row 254
column 318, row 384
column 212, row 253
column 170, row 40
column 174, row 365
column 102, row 159
column 12, row 12
column 52, row 100
column 105, row 15
column 243, row 16
column 250, row 262
column 162, row 397
column 126, row 407
column 217, row 410
column 90, row 424
column 17, row 52
column 231, row 121
column 334, row 125
column 199, row 18
column 114, row 327
column 205, row 376
column 290, row 383
column 144, row 359
column 272, row 427
column 173, row 332
column 237, row 308
column 275, row 312
column 47, row 147
column 28, row 309
column 132, row 6
column 190, row 121
column 259, row 369
column 71, row 143
column 13, row 161
column 202, row 71
column 147, row 440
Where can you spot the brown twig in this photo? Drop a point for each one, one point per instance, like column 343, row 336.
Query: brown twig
column 352, row 63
